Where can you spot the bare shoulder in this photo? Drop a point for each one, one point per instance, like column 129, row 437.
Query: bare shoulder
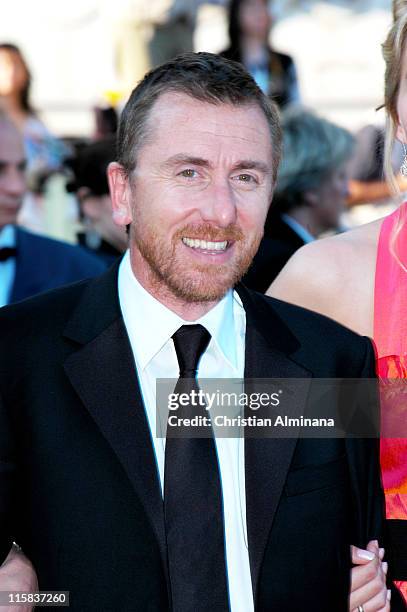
column 334, row 276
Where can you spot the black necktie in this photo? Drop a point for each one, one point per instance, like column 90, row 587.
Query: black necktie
column 7, row 252
column 193, row 498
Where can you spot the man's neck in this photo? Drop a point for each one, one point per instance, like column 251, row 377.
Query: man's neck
column 304, row 217
column 254, row 50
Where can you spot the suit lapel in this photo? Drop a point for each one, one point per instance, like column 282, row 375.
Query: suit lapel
column 28, row 277
column 103, row 373
column 267, row 460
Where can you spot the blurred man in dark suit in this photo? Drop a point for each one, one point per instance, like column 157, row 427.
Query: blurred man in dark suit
column 310, row 194
column 29, row 263
column 100, row 236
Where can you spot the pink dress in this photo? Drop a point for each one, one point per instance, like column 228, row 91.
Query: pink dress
column 390, row 336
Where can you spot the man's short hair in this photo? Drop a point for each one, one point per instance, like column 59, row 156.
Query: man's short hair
column 203, row 76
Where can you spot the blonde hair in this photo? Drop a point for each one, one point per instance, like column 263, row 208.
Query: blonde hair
column 393, row 49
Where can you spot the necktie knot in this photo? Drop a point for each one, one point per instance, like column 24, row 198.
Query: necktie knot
column 7, row 252
column 190, row 342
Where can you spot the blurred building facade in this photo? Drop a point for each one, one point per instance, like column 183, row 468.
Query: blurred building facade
column 86, row 50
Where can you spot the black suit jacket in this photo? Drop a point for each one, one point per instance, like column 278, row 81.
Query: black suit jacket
column 277, row 246
column 43, row 263
column 79, row 489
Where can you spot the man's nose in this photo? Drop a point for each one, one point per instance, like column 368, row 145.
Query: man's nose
column 219, row 207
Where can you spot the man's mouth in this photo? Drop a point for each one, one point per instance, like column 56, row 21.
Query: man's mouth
column 205, row 245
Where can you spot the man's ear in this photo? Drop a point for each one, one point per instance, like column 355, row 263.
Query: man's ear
column 120, row 194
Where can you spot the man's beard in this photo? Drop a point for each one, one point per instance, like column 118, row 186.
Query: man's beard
column 188, row 280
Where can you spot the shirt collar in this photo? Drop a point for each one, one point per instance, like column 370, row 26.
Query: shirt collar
column 298, row 229
column 139, row 306
column 8, row 236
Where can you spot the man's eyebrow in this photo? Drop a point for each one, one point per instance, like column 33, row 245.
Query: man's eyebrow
column 253, row 164
column 244, row 164
column 182, row 158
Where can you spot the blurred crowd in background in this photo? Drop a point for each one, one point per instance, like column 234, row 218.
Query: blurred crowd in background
column 326, row 170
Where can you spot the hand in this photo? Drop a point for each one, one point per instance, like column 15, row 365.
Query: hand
column 368, row 579
column 17, row 574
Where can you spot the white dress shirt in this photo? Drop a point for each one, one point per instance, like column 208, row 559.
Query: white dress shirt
column 150, row 326
column 299, row 229
column 7, row 268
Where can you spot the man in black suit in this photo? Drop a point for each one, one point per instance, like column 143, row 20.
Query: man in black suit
column 276, row 247
column 310, row 194
column 104, row 506
column 30, row 264
column 100, row 236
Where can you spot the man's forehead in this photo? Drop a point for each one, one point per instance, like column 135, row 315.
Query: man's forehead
column 178, row 116
column 174, row 102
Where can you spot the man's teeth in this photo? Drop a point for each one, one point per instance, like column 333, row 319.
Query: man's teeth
column 194, row 243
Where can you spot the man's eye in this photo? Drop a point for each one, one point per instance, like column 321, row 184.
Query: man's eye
column 188, row 173
column 246, row 178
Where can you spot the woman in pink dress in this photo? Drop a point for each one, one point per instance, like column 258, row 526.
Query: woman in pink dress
column 360, row 279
